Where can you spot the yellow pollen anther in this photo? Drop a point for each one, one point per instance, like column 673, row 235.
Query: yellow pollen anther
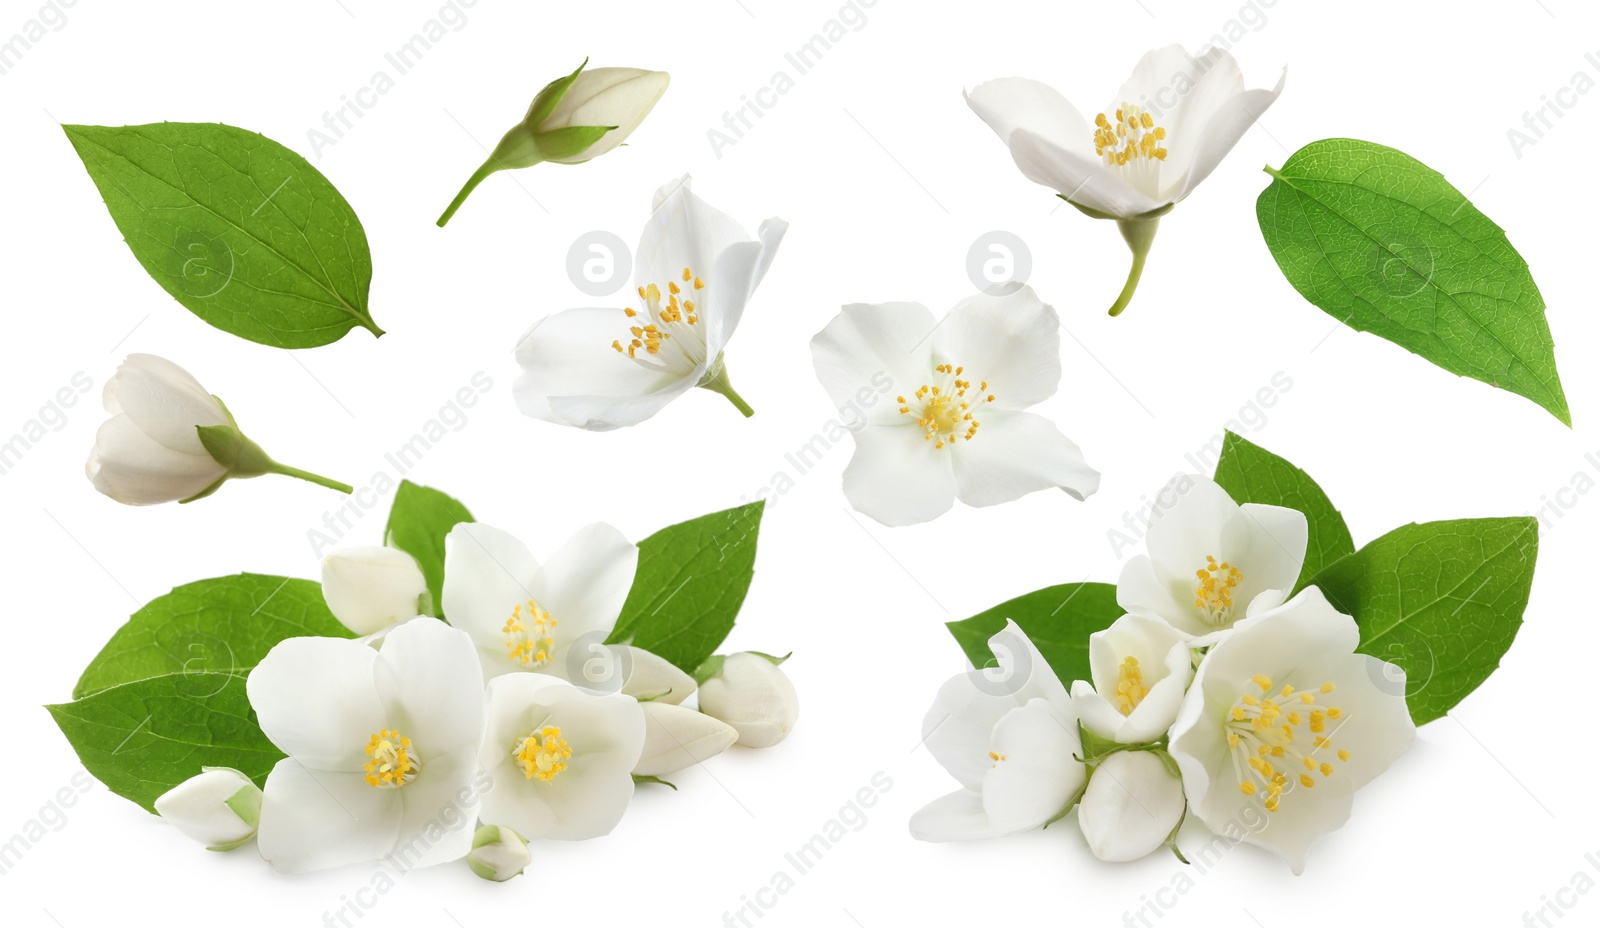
column 943, row 409
column 528, row 636
column 1130, row 685
column 1266, row 731
column 997, row 758
column 1213, row 592
column 393, row 762
column 664, row 319
column 1134, row 138
column 542, row 754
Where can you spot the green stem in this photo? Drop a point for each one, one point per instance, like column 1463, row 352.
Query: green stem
column 718, row 383
column 488, row 167
column 1139, row 234
column 306, row 475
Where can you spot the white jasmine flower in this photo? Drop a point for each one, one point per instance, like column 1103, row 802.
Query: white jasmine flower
column 1284, row 716
column 1141, row 667
column 603, row 369
column 959, row 427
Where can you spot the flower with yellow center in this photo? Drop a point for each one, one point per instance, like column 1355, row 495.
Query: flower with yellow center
column 561, row 757
column 527, row 616
column 1140, row 667
column 1284, row 722
column 1211, row 562
column 940, row 408
column 602, row 369
column 1170, row 125
column 1009, row 736
column 378, row 743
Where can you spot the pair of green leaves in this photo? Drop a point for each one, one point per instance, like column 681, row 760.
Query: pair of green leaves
column 1441, row 600
column 1384, row 244
column 166, row 695
column 243, row 232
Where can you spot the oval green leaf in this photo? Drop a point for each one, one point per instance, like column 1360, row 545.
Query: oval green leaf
column 1252, row 474
column 1057, row 619
column 243, row 232
column 1384, row 244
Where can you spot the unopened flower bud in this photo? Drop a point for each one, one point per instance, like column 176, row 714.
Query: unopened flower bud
column 498, row 853
column 749, row 692
column 676, row 737
column 220, row 807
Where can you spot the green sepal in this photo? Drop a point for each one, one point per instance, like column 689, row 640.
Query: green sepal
column 545, row 103
column 229, row 447
column 1093, row 213
column 709, row 668
column 567, row 142
column 638, row 779
column 214, row 487
column 246, row 803
column 232, row 845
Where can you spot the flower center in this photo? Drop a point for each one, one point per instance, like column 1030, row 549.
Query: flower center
column 944, row 408
column 542, row 754
column 527, row 632
column 1130, row 686
column 652, row 328
column 1134, row 138
column 1213, row 590
column 1271, row 736
column 393, row 761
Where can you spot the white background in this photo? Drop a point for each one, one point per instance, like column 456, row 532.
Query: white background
column 886, row 178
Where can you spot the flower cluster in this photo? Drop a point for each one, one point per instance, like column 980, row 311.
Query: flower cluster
column 1217, row 694
column 515, row 712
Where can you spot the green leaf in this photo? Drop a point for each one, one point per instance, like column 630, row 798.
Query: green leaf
column 418, row 523
column 1251, row 474
column 1057, row 619
column 143, row 738
column 223, row 625
column 1443, row 600
column 692, row 579
column 1386, row 245
column 243, row 232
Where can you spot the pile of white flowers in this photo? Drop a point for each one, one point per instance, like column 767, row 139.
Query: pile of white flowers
column 515, row 714
column 1217, row 694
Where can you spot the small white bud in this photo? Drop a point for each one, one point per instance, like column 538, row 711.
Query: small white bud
column 753, row 695
column 1131, row 806
column 220, row 808
column 655, row 679
column 371, row 589
column 498, row 853
column 676, row 737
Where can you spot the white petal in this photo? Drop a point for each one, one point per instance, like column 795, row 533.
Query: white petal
column 1140, row 589
column 684, row 231
column 199, row 808
column 1082, row 179
column 1017, row 453
column 487, row 573
column 898, row 478
column 316, row 820
column 737, row 272
column 957, row 816
column 1011, row 342
column 1268, row 543
column 439, row 811
column 429, row 677
column 1231, row 114
column 1013, row 103
column 1130, row 807
column 316, row 699
column 652, row 677
column 133, row 468
column 371, row 588
column 864, row 344
column 585, row 583
column 677, row 737
column 164, row 401
column 755, row 696
column 620, row 97
column 1037, row 771
column 572, row 375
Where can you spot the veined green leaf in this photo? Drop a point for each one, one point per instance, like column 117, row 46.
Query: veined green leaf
column 143, row 738
column 418, row 523
column 1443, row 600
column 242, row 231
column 691, row 581
column 223, row 625
column 1057, row 619
column 1251, row 474
column 1384, row 244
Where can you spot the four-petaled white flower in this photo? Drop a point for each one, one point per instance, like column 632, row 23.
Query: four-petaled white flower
column 603, row 369
column 561, row 758
column 1141, row 667
column 527, row 616
column 1009, row 735
column 1174, row 121
column 1211, row 558
column 1284, row 716
column 958, row 427
column 382, row 745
